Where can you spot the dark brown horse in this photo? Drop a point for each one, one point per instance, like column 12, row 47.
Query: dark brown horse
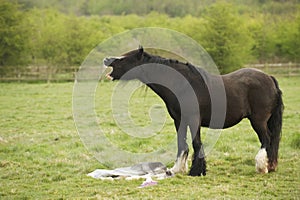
column 193, row 95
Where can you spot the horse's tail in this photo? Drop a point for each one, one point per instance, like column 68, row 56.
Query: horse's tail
column 275, row 125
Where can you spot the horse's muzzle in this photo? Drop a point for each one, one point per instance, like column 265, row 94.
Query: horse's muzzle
column 107, row 61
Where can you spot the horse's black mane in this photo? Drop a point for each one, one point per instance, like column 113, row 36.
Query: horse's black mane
column 167, row 61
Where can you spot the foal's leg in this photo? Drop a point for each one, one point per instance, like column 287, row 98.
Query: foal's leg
column 198, row 164
column 261, row 159
column 183, row 149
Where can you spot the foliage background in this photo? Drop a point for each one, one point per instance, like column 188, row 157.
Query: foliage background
column 57, row 33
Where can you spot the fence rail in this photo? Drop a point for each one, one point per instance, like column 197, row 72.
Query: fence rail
column 61, row 74
column 278, row 69
column 37, row 73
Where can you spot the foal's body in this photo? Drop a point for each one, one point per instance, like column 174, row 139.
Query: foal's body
column 248, row 93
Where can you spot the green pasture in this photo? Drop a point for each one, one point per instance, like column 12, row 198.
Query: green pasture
column 43, row 157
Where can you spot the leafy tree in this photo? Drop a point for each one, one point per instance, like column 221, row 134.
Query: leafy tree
column 287, row 46
column 54, row 33
column 225, row 37
column 276, row 39
column 297, row 37
column 263, row 31
column 13, row 35
column 48, row 39
column 82, row 36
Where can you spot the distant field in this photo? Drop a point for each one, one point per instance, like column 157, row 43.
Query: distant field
column 42, row 156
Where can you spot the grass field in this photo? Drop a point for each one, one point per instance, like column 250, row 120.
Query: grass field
column 42, row 156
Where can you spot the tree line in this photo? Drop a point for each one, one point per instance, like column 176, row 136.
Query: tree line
column 32, row 35
column 172, row 8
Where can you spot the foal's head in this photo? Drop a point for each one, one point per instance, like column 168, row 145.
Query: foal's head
column 121, row 65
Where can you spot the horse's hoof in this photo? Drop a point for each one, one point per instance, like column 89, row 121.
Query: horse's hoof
column 197, row 173
column 194, row 174
column 261, row 161
column 272, row 166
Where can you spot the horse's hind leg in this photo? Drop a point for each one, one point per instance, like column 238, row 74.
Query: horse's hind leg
column 261, row 128
column 198, row 163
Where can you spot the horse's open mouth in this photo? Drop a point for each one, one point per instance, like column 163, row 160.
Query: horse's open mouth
column 108, row 74
column 109, row 77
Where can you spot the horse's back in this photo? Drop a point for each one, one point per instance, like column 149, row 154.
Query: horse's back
column 247, row 79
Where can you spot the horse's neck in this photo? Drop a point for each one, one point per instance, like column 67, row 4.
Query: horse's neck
column 196, row 84
column 161, row 91
column 173, row 84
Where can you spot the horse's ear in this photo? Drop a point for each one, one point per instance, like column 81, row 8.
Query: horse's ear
column 141, row 52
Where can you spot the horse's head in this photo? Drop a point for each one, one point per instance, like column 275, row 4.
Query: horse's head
column 121, row 65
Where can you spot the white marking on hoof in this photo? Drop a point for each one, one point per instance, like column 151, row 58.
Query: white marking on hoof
column 181, row 165
column 261, row 160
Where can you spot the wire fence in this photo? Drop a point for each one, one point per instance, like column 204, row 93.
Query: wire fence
column 64, row 74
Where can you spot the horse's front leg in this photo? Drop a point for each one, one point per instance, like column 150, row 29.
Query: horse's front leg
column 198, row 163
column 180, row 165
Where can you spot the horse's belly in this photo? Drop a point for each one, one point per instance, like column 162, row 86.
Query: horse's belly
column 226, row 124
column 231, row 123
column 230, row 119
